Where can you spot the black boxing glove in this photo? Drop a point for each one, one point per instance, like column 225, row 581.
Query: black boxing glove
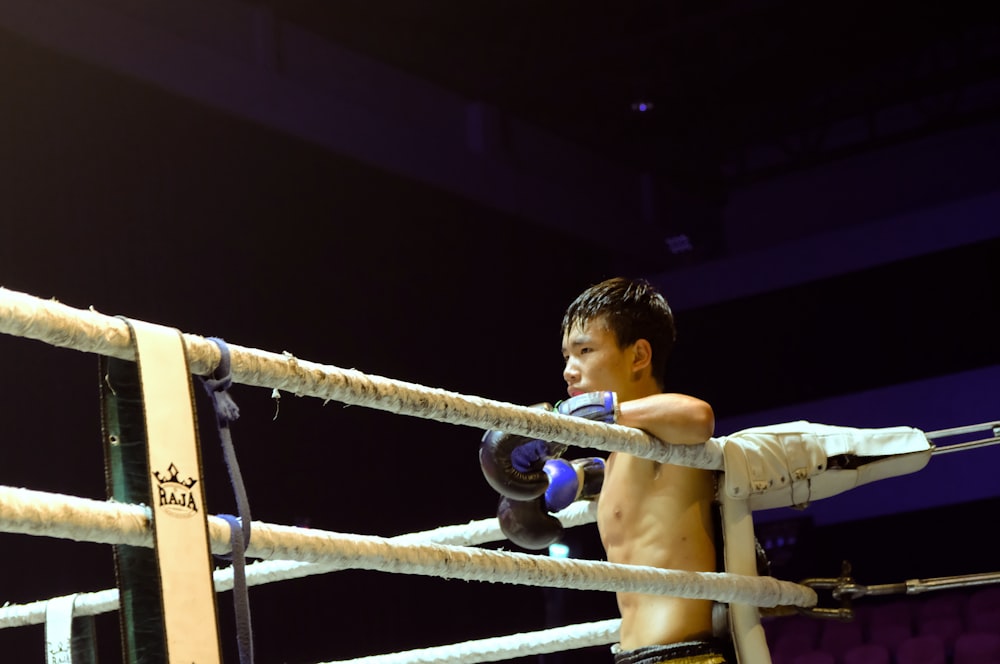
column 513, row 465
column 527, row 524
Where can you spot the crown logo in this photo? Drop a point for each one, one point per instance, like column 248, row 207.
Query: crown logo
column 59, row 654
column 175, row 494
column 174, row 478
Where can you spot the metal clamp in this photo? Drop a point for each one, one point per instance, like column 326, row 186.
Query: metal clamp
column 843, row 589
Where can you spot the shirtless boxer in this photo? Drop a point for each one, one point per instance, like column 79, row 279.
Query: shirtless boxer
column 616, row 339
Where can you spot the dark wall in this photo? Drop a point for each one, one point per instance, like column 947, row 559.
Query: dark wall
column 914, row 319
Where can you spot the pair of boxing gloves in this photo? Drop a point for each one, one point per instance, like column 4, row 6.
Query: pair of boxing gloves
column 532, row 478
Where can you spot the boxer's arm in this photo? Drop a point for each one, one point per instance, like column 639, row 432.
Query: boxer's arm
column 672, row 418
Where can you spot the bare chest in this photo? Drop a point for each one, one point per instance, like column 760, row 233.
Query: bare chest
column 644, row 501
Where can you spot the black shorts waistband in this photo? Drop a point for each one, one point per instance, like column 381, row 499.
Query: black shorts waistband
column 653, row 654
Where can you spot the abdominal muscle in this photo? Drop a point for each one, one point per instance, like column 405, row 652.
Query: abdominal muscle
column 661, row 516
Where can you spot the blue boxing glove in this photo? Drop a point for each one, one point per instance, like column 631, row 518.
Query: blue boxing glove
column 598, row 406
column 572, row 480
column 513, row 464
column 527, row 524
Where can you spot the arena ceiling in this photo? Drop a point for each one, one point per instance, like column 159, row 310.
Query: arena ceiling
column 589, row 112
column 701, row 99
column 715, row 78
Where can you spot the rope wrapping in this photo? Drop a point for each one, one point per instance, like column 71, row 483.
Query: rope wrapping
column 556, row 639
column 19, row 510
column 86, row 520
column 89, row 331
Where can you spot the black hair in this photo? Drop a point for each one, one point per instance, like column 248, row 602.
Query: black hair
column 633, row 309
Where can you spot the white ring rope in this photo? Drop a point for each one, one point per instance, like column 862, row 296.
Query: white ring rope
column 89, row 331
column 556, row 639
column 92, row 517
column 30, row 512
column 34, row 513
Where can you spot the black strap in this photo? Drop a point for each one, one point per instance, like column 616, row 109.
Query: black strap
column 125, row 465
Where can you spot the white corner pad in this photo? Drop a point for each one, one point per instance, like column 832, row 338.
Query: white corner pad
column 792, row 464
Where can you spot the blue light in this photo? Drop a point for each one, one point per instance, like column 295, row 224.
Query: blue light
column 558, row 550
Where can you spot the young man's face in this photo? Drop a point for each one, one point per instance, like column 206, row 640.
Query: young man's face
column 594, row 361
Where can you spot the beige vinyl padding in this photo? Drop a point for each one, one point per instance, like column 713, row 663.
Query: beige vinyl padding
column 794, row 463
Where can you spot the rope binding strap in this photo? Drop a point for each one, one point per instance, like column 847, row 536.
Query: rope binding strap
column 227, row 412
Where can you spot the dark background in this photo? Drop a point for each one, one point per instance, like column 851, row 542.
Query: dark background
column 125, row 191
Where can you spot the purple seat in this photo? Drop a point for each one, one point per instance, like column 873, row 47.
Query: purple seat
column 983, row 610
column 985, row 598
column 867, row 653
column 838, row 637
column 977, row 648
column 889, row 624
column 984, row 622
column 814, row 657
column 945, row 627
column 789, row 645
column 797, row 624
column 925, row 649
column 942, row 604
